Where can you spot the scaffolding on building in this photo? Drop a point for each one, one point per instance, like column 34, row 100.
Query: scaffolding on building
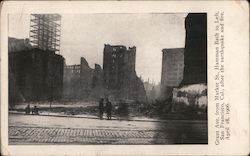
column 45, row 31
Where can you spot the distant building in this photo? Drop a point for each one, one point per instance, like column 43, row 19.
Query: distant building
column 152, row 90
column 120, row 77
column 172, row 70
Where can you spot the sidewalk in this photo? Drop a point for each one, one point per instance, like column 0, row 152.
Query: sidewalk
column 77, row 122
column 113, row 118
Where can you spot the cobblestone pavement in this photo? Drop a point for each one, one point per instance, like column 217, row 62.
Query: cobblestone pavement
column 114, row 132
column 38, row 135
column 78, row 136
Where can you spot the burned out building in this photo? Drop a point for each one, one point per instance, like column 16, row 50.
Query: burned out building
column 195, row 56
column 97, row 85
column 35, row 66
column 82, row 82
column 172, row 70
column 86, row 76
column 119, row 73
column 15, row 44
column 71, row 82
column 35, row 75
column 193, row 88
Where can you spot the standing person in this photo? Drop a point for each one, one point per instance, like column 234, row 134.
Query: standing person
column 101, row 108
column 109, row 109
column 27, row 109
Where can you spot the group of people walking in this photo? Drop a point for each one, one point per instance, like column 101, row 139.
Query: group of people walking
column 35, row 110
column 107, row 108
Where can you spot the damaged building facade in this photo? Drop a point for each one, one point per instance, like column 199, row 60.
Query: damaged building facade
column 15, row 45
column 120, row 79
column 35, row 75
column 82, row 82
column 35, row 66
column 195, row 55
column 117, row 79
column 172, row 70
column 71, row 82
column 193, row 88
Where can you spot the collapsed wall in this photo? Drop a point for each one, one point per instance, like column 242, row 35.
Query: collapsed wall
column 82, row 82
column 191, row 95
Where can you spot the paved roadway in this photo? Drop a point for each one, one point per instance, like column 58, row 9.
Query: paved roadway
column 31, row 129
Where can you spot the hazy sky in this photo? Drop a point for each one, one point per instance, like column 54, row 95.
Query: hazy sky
column 84, row 35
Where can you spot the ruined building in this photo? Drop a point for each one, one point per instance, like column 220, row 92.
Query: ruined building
column 195, row 56
column 15, row 44
column 71, row 82
column 193, row 88
column 97, row 85
column 120, row 77
column 86, row 76
column 35, row 68
column 82, row 82
column 172, row 70
column 35, row 75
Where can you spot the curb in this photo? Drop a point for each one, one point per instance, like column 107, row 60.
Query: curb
column 187, row 121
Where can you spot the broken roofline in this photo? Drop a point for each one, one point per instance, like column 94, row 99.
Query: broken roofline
column 172, row 49
column 119, row 46
column 78, row 66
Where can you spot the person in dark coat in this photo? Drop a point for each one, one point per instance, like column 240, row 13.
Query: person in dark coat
column 109, row 109
column 35, row 110
column 101, row 108
column 27, row 109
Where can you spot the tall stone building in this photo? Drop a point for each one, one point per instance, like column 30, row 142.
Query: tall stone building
column 119, row 73
column 195, row 56
column 35, row 75
column 172, row 70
